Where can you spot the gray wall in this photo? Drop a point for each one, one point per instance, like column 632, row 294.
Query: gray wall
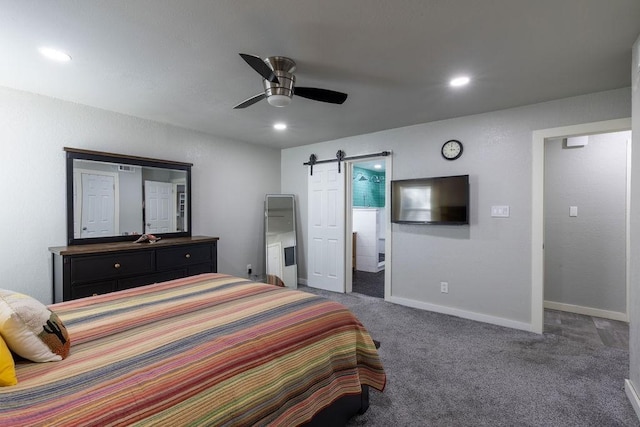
column 585, row 256
column 229, row 181
column 131, row 201
column 634, row 294
column 488, row 263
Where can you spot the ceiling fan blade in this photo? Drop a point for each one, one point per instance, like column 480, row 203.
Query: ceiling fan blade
column 260, row 66
column 251, row 101
column 323, row 95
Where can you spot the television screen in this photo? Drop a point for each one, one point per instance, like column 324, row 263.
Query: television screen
column 438, row 200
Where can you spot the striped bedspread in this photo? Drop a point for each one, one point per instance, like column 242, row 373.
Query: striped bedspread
column 205, row 350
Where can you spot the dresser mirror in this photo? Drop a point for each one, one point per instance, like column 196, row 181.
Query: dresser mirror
column 112, row 197
column 280, row 240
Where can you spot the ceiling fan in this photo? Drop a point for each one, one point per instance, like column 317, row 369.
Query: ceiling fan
column 279, row 83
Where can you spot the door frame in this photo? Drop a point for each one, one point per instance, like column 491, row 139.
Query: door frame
column 537, row 206
column 348, row 166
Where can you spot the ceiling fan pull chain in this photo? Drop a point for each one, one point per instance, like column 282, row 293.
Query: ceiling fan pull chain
column 312, row 161
column 340, row 157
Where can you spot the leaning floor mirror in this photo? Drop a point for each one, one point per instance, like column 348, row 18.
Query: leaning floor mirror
column 280, row 240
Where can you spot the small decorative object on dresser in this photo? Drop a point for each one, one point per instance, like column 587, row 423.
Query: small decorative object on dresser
column 86, row 270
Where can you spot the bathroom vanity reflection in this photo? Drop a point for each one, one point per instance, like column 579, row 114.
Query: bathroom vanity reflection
column 113, row 198
column 280, row 240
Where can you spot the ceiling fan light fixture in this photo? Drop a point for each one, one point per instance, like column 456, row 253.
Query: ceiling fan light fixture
column 279, row 100
column 279, row 83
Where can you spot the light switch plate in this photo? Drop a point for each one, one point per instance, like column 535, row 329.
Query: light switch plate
column 500, row 211
column 573, row 211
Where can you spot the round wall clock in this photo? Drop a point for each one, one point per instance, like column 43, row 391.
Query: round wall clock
column 451, row 149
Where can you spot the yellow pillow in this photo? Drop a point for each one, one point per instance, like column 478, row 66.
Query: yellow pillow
column 7, row 366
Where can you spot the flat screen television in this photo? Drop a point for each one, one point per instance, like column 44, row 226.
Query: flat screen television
column 439, row 200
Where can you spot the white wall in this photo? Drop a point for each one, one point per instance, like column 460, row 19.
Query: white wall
column 488, row 263
column 229, row 181
column 365, row 222
column 634, row 294
column 585, row 256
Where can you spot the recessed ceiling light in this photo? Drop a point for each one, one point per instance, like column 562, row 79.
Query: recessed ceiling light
column 280, row 126
column 459, row 81
column 55, row 54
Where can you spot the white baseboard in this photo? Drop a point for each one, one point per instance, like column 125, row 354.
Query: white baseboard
column 500, row 321
column 587, row 311
column 633, row 396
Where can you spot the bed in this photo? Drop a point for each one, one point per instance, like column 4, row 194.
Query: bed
column 204, row 350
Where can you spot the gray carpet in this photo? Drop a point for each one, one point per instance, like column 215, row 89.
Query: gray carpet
column 371, row 284
column 447, row 371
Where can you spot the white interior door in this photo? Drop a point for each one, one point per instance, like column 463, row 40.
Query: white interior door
column 157, row 207
column 326, row 253
column 274, row 260
column 98, row 205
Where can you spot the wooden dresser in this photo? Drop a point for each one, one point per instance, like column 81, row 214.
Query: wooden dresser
column 85, row 270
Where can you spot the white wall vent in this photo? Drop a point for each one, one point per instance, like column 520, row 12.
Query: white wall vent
column 126, row 168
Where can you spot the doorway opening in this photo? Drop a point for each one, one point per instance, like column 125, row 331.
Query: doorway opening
column 368, row 209
column 586, row 209
column 539, row 139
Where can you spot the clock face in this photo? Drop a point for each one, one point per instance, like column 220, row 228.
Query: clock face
column 452, row 149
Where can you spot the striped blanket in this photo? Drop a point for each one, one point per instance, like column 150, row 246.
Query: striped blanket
column 204, row 350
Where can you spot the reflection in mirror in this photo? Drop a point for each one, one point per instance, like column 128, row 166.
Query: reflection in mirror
column 111, row 199
column 280, row 240
column 114, row 197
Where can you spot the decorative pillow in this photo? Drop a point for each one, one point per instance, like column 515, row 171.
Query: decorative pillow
column 7, row 366
column 30, row 329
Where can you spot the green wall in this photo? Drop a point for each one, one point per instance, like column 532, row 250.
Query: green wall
column 368, row 193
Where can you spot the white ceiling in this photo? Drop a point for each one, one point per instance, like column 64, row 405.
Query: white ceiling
column 177, row 61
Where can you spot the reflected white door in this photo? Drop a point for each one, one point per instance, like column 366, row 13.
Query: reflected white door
column 326, row 253
column 98, row 205
column 274, row 260
column 157, row 207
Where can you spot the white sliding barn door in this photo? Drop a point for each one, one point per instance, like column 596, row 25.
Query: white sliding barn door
column 326, row 253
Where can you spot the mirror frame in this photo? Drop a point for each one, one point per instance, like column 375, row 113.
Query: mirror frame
column 290, row 270
column 80, row 154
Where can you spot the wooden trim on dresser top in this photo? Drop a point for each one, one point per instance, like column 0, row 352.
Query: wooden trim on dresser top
column 122, row 246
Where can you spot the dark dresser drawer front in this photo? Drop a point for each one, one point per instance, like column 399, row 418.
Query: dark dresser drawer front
column 147, row 279
column 98, row 267
column 183, row 256
column 91, row 289
column 199, row 269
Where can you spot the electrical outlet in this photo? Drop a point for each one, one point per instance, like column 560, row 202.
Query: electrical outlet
column 249, row 269
column 444, row 287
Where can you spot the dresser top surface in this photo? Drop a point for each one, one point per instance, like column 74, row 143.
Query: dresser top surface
column 129, row 246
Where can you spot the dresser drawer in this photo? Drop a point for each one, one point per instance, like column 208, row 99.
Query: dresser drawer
column 81, row 291
column 147, row 279
column 100, row 267
column 183, row 256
